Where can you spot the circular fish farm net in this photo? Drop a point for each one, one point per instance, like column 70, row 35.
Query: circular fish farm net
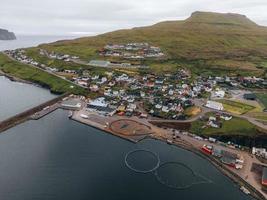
column 178, row 176
column 142, row 161
column 130, row 127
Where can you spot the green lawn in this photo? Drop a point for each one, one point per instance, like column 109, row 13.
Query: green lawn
column 59, row 64
column 234, row 127
column 236, row 107
column 214, row 46
column 263, row 98
column 26, row 72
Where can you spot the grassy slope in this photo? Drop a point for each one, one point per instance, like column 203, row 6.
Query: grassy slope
column 244, row 128
column 263, row 98
column 209, row 39
column 40, row 77
column 34, row 53
column 236, row 107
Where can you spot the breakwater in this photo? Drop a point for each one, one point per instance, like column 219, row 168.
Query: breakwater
column 24, row 116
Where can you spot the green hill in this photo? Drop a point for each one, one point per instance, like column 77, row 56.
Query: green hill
column 205, row 40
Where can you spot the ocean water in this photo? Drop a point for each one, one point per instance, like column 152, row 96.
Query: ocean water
column 17, row 97
column 57, row 158
column 29, row 41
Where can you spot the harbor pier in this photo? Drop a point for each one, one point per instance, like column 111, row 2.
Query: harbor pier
column 33, row 113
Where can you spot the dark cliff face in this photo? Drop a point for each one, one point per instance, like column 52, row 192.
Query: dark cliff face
column 6, row 35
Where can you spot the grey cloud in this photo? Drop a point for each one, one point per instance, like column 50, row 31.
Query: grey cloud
column 63, row 17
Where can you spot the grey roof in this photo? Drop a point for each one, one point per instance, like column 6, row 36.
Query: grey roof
column 99, row 63
column 71, row 102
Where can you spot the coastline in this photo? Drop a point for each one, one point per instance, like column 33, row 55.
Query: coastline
column 19, row 80
column 224, row 170
column 239, row 181
column 16, row 79
column 180, row 144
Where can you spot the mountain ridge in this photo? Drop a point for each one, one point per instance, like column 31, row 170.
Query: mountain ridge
column 219, row 39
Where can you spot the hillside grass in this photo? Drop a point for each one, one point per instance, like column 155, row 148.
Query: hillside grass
column 263, row 98
column 34, row 53
column 236, row 107
column 192, row 111
column 259, row 115
column 32, row 74
column 227, row 43
column 234, row 127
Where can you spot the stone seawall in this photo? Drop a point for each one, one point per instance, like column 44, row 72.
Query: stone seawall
column 24, row 116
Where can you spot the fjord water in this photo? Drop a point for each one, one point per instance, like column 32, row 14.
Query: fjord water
column 17, row 97
column 24, row 41
column 57, row 158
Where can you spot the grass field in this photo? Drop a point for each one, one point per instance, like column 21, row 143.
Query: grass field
column 263, row 98
column 259, row 115
column 236, row 107
column 206, row 42
column 234, row 127
column 192, row 111
column 26, row 72
column 59, row 64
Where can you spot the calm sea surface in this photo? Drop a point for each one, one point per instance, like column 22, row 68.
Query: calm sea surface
column 56, row 158
column 17, row 97
column 59, row 159
column 29, row 41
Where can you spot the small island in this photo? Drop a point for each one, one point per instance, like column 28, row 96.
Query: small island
column 6, row 35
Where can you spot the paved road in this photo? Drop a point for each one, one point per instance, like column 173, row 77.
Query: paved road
column 47, row 72
column 200, row 103
column 245, row 173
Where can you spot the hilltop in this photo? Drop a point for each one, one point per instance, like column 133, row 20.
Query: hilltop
column 6, row 35
column 204, row 40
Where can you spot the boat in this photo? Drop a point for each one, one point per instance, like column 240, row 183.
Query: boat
column 245, row 190
column 70, row 114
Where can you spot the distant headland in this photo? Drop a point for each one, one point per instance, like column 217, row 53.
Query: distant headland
column 6, row 35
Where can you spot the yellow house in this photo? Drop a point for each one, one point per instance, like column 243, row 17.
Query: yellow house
column 121, row 108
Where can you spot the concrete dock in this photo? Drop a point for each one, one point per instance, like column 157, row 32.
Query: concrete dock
column 26, row 115
column 45, row 111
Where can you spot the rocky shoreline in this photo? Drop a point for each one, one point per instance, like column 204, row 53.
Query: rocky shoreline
column 15, row 79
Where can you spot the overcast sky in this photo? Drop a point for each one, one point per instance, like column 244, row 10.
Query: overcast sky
column 71, row 17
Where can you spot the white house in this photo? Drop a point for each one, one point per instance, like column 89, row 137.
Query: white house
column 99, row 102
column 218, row 94
column 259, row 152
column 99, row 63
column 165, row 109
column 214, row 105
